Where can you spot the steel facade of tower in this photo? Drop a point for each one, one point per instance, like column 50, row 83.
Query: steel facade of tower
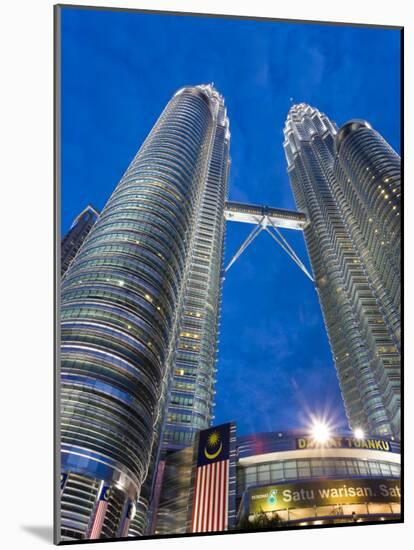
column 146, row 282
column 348, row 184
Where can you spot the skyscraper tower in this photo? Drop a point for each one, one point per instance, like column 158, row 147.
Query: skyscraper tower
column 191, row 399
column 348, row 184
column 369, row 173
column 190, row 395
column 129, row 299
column 77, row 233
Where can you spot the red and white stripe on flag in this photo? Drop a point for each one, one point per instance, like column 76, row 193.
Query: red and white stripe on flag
column 100, row 514
column 125, row 528
column 211, row 497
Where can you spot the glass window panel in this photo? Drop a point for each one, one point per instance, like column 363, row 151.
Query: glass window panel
column 340, row 467
column 363, row 467
column 304, row 471
column 352, row 467
column 264, row 476
column 329, row 469
column 251, row 478
column 276, row 475
column 374, row 467
column 317, row 471
column 290, row 469
column 385, row 469
column 395, row 469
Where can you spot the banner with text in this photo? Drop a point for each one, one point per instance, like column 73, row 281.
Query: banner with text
column 344, row 443
column 324, row 492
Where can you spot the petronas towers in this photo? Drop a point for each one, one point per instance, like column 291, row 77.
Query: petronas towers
column 141, row 295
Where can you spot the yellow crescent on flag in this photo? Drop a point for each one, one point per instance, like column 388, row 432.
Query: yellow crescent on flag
column 211, row 456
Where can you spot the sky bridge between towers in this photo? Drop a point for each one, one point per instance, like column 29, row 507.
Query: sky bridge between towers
column 271, row 220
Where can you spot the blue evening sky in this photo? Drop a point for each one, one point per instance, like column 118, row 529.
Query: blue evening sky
column 119, row 70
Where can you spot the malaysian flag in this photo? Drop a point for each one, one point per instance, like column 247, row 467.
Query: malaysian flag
column 129, row 514
column 100, row 512
column 211, row 489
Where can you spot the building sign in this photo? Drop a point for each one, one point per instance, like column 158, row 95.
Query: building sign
column 344, row 443
column 323, row 493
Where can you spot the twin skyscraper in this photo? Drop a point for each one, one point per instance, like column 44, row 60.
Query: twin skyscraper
column 349, row 185
column 140, row 299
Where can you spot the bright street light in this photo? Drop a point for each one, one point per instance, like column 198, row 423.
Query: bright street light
column 320, row 432
column 359, row 433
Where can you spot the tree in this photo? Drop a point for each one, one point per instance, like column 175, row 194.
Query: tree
column 260, row 520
